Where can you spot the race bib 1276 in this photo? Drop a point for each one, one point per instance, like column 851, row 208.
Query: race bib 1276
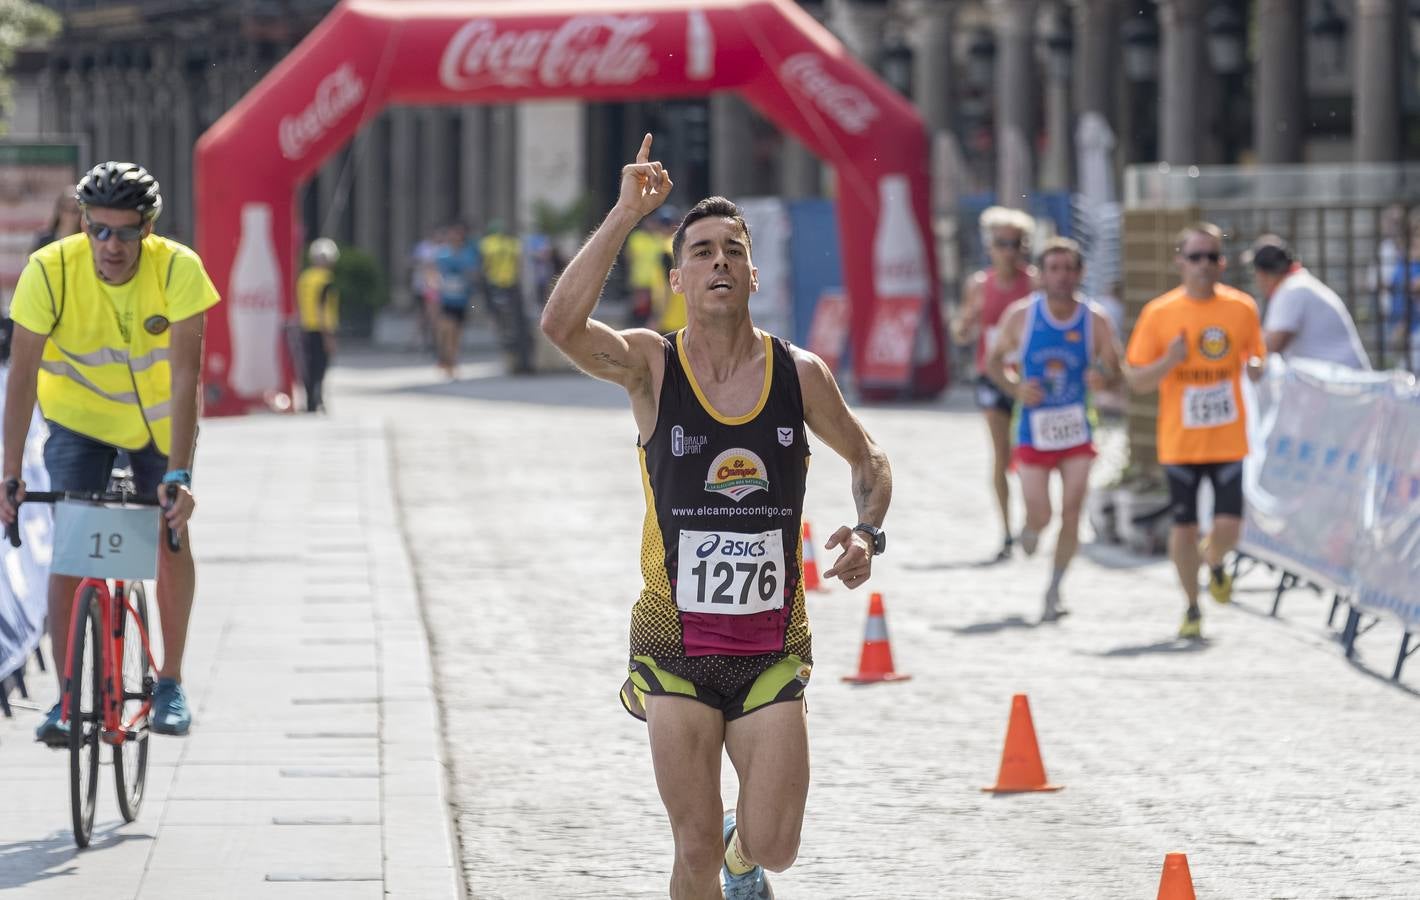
column 730, row 574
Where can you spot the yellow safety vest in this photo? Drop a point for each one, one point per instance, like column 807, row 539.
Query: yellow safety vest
column 310, row 291
column 91, row 380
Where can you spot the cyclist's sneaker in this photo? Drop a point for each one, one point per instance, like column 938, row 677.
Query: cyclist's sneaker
column 54, row 730
column 1220, row 588
column 752, row 885
column 170, row 712
column 1030, row 538
column 1192, row 627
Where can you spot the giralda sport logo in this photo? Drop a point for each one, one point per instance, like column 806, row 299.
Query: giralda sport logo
column 737, row 473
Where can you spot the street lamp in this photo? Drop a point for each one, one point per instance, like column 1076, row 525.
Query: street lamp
column 1227, row 34
column 895, row 61
column 1328, row 29
column 1141, row 47
column 981, row 57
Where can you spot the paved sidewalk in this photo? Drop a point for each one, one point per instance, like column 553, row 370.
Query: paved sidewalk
column 315, row 768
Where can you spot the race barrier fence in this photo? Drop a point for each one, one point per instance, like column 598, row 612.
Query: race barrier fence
column 1332, row 491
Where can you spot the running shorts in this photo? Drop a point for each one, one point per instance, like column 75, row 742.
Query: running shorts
column 735, row 685
column 990, row 396
column 1184, row 481
column 1026, row 455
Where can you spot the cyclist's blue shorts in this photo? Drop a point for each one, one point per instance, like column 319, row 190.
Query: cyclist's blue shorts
column 77, row 462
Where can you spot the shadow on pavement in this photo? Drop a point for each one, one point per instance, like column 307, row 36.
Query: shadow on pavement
column 1112, row 556
column 950, row 564
column 28, row 862
column 1173, row 645
column 988, row 627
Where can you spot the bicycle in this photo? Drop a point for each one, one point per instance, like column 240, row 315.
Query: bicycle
column 110, row 678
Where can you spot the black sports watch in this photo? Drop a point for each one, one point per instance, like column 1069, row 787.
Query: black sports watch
column 875, row 534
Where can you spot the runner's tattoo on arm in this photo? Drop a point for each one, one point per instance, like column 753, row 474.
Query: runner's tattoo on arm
column 609, row 360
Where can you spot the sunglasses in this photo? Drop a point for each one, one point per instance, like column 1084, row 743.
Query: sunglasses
column 126, row 233
column 1006, row 244
column 1199, row 257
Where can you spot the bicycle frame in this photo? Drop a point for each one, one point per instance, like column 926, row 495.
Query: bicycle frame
column 114, row 729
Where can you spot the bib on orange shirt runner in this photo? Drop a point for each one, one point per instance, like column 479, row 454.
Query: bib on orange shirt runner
column 1209, row 406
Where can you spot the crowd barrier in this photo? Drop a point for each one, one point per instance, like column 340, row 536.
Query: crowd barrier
column 1332, row 490
column 24, row 571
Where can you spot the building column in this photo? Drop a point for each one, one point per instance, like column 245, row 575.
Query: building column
column 1277, row 123
column 371, row 201
column 76, row 85
column 930, row 29
column 859, row 25
column 402, row 230
column 474, row 201
column 1096, row 59
column 1180, row 90
column 730, row 139
column 436, row 199
column 1057, row 169
column 503, row 165
column 1376, row 122
column 180, row 144
column 1016, row 86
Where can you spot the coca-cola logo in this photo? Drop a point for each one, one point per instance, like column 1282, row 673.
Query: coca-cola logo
column 845, row 104
column 336, row 95
column 582, row 50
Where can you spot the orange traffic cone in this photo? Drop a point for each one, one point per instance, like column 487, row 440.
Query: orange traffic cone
column 1021, row 768
column 875, row 663
column 1176, row 883
column 811, row 579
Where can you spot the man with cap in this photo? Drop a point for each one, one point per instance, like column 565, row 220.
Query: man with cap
column 1305, row 318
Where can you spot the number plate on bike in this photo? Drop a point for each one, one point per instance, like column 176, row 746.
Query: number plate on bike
column 730, row 574
column 105, row 541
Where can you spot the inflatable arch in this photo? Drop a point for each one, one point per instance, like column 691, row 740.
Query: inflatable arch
column 369, row 53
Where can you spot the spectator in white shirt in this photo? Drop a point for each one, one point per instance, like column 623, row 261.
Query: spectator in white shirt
column 1305, row 318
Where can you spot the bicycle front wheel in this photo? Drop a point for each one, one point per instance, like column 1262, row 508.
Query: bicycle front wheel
column 83, row 696
column 130, row 757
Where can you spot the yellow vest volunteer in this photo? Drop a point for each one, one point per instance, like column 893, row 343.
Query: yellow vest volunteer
column 319, row 309
column 501, row 254
column 105, row 372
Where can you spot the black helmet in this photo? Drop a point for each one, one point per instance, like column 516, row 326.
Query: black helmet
column 120, row 185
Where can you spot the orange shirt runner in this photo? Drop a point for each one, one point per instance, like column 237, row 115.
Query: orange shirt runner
column 1201, row 416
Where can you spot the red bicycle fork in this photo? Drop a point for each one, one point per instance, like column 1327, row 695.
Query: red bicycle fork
column 115, row 730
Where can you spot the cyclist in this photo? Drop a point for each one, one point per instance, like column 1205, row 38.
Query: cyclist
column 1067, row 351
column 720, row 650
column 109, row 338
column 1192, row 344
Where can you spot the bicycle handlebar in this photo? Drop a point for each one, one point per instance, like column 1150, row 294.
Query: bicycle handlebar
column 12, row 531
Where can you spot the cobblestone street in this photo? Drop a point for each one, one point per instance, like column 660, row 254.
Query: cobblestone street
column 1280, row 769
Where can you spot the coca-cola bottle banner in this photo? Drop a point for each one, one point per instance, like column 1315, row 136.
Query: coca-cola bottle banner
column 367, row 55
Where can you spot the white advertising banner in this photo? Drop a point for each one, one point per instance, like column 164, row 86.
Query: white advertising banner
column 24, row 572
column 1386, row 576
column 772, row 305
column 1305, row 480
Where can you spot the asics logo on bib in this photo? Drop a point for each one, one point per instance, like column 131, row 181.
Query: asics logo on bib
column 730, row 547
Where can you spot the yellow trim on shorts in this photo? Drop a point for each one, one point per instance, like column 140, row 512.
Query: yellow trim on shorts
column 700, row 395
column 671, row 684
column 770, row 685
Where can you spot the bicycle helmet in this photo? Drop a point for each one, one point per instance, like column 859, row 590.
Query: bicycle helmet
column 120, row 185
column 323, row 252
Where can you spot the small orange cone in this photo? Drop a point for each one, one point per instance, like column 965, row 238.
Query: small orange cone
column 811, row 579
column 875, row 663
column 1021, row 768
column 1176, row 883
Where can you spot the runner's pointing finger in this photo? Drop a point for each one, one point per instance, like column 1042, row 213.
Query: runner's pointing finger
column 644, row 154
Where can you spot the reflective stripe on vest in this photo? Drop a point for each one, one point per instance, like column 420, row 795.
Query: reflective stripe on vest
column 92, row 379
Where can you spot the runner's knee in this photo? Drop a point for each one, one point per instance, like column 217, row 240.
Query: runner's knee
column 698, row 849
column 775, row 852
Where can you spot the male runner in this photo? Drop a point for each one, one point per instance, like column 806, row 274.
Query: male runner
column 720, row 650
column 1192, row 344
column 988, row 292
column 108, row 336
column 1067, row 350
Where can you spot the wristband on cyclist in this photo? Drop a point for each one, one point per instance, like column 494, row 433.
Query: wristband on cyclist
column 179, row 476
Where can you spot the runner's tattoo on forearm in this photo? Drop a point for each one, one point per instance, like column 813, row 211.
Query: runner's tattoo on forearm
column 609, row 360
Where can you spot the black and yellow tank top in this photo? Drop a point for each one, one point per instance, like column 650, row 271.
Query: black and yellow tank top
column 720, row 548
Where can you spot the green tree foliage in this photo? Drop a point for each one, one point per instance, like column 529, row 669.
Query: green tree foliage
column 22, row 22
